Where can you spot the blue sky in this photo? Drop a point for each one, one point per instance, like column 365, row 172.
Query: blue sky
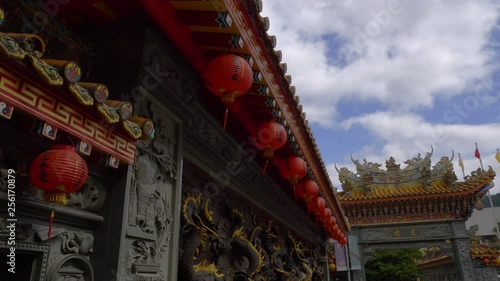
column 388, row 78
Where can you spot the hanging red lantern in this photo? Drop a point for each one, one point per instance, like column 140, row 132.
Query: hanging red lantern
column 343, row 241
column 270, row 137
column 307, row 190
column 340, row 236
column 293, row 169
column 325, row 214
column 329, row 222
column 58, row 171
column 336, row 231
column 228, row 76
column 486, row 261
column 317, row 205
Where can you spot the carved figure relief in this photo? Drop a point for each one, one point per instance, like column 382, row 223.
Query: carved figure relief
column 90, row 197
column 224, row 242
column 149, row 212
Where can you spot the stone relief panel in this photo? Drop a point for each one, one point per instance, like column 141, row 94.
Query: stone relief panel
column 486, row 274
column 462, row 248
column 90, row 197
column 459, row 228
column 373, row 234
column 65, row 255
column 150, row 219
column 223, row 238
column 437, row 230
column 443, row 245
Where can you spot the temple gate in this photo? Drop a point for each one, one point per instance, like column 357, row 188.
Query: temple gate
column 417, row 206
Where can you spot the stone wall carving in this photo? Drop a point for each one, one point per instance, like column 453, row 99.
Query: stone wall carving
column 90, row 197
column 436, row 230
column 486, row 273
column 70, row 268
column 463, row 257
column 374, row 234
column 368, row 249
column 68, row 258
column 150, row 219
column 225, row 239
column 459, row 229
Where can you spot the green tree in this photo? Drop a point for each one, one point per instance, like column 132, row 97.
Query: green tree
column 393, row 265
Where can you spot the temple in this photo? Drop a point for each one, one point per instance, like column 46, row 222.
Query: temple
column 124, row 164
column 419, row 206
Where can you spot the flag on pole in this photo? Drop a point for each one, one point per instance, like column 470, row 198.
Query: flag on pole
column 497, row 156
column 478, row 156
column 461, row 164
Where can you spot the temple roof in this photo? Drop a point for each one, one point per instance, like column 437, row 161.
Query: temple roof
column 417, row 180
column 202, row 30
column 50, row 90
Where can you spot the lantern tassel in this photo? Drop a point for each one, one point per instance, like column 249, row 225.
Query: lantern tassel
column 294, row 193
column 265, row 167
column 308, row 209
column 225, row 118
column 50, row 223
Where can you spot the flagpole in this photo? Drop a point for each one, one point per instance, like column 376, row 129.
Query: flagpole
column 348, row 262
column 494, row 216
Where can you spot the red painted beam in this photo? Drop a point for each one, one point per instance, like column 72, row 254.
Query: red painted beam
column 163, row 13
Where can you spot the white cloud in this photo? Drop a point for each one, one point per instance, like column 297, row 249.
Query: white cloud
column 405, row 54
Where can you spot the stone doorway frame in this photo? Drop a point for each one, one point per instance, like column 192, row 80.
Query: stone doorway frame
column 450, row 236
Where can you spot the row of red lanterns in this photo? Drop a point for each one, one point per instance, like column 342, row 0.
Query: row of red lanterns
column 230, row 76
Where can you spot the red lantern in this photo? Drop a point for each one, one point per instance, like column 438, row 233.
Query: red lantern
column 329, row 222
column 334, row 230
column 344, row 240
column 270, row 137
column 317, row 205
column 228, row 76
column 293, row 169
column 486, row 261
column 325, row 215
column 58, row 172
column 308, row 190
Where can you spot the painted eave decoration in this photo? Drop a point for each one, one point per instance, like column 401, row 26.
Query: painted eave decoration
column 51, row 90
column 418, row 179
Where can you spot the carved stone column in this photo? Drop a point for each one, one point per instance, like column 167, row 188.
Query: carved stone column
column 463, row 260
column 152, row 228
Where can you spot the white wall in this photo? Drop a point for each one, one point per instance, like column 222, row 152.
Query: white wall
column 484, row 219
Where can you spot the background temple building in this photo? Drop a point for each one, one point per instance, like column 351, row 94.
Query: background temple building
column 170, row 195
column 420, row 206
